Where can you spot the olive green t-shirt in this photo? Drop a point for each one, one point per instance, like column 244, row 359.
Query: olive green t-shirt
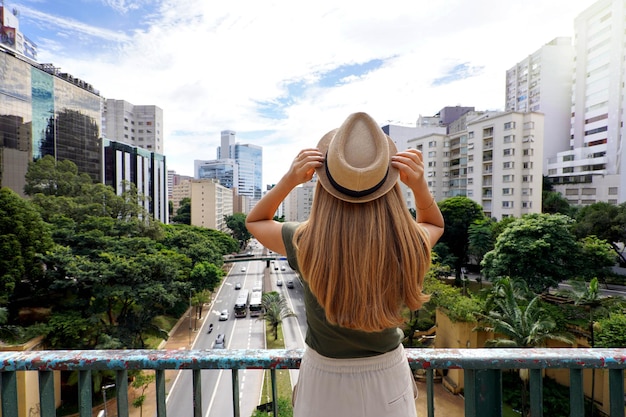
column 331, row 340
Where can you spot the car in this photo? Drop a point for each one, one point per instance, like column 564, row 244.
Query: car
column 279, row 282
column 290, row 284
column 224, row 315
column 243, row 269
column 238, row 286
column 220, row 342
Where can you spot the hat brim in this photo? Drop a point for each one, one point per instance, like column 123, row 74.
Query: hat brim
column 390, row 180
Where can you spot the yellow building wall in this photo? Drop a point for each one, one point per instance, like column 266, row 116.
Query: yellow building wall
column 28, row 383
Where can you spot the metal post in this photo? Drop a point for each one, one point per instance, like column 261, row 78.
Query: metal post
column 104, row 397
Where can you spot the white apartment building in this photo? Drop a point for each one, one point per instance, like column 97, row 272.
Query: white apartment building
column 542, row 82
column 594, row 167
column 404, row 137
column 436, row 166
column 140, row 125
column 504, row 169
column 210, row 202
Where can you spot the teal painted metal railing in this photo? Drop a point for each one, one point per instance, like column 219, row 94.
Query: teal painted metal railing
column 482, row 374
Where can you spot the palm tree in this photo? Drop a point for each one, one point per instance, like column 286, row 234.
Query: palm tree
column 275, row 310
column 521, row 323
column 589, row 296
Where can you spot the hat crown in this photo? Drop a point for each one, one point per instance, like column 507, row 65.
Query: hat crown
column 358, row 155
column 358, row 160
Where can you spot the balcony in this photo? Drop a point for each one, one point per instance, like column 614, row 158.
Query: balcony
column 481, row 369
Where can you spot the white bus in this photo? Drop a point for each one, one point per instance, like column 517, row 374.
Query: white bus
column 256, row 307
column 241, row 305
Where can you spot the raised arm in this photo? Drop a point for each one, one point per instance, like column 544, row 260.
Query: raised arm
column 411, row 166
column 260, row 221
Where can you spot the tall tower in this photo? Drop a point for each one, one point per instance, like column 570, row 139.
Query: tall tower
column 594, row 169
column 249, row 162
column 137, row 125
column 542, row 82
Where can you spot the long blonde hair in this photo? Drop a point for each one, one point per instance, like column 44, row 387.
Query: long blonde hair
column 363, row 261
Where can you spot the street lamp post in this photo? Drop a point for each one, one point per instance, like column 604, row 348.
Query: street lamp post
column 104, row 397
column 190, row 317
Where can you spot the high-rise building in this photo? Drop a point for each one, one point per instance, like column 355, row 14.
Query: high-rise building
column 45, row 112
column 542, row 82
column 137, row 125
column 146, row 170
column 226, row 171
column 247, row 177
column 594, row 167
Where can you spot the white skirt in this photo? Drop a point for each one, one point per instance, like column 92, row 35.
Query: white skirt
column 375, row 386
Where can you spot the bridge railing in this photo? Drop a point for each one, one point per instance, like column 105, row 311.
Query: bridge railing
column 482, row 370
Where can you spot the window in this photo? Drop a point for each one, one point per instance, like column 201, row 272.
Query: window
column 507, row 191
column 528, row 138
column 432, row 144
column 488, row 132
column 509, row 139
column 568, row 170
column 527, row 178
column 432, row 163
column 470, row 135
column 528, row 152
column 507, row 204
column 507, row 165
column 612, row 190
column 432, row 154
column 470, row 181
column 527, row 204
column 509, row 125
column 508, row 178
column 527, row 165
column 508, row 152
column 527, row 191
column 529, row 125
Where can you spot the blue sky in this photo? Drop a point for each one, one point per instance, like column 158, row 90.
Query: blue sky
column 283, row 73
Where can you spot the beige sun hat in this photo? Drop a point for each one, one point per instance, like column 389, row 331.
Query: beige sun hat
column 358, row 155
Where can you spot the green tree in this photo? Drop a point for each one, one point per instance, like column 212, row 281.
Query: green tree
column 610, row 331
column 604, row 220
column 537, row 248
column 275, row 310
column 183, row 214
column 55, row 178
column 23, row 237
column 553, row 202
column 141, row 381
column 481, row 237
column 597, row 258
column 589, row 296
column 206, row 276
column 458, row 213
column 237, row 224
column 521, row 322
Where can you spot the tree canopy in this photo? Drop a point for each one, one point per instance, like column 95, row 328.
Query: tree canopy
column 100, row 266
column 537, row 248
column 459, row 213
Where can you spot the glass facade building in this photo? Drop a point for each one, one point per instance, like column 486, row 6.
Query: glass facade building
column 43, row 112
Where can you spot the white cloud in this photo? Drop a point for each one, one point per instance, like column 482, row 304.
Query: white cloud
column 209, row 64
